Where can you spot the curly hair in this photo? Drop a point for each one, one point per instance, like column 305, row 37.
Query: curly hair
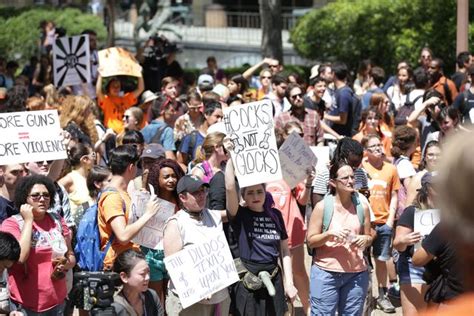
column 24, row 186
column 73, row 109
column 403, row 138
column 154, row 175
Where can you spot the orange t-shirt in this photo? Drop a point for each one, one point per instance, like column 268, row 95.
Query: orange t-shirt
column 114, row 108
column 110, row 206
column 386, row 142
column 382, row 182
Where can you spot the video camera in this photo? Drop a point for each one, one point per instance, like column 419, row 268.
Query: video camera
column 94, row 292
column 160, row 48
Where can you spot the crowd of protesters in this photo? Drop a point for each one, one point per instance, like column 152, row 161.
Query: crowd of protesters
column 355, row 216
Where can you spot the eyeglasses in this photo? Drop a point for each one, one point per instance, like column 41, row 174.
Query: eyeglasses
column 346, row 178
column 48, row 162
column 294, row 97
column 374, row 146
column 39, row 195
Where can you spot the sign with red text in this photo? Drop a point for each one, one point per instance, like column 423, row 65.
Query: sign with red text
column 255, row 155
column 202, row 269
column 116, row 61
column 30, row 136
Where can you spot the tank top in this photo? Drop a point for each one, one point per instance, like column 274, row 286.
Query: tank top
column 342, row 257
column 79, row 196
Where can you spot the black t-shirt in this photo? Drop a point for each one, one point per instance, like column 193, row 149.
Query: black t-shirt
column 458, row 78
column 408, row 220
column 259, row 234
column 7, row 209
column 216, row 196
column 439, row 246
column 464, row 106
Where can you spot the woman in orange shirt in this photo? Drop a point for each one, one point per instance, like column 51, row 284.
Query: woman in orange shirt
column 371, row 124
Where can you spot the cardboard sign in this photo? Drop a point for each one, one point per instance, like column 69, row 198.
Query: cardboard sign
column 296, row 158
column 116, row 61
column 255, row 155
column 151, row 235
column 424, row 222
column 71, row 60
column 322, row 156
column 30, row 136
column 202, row 269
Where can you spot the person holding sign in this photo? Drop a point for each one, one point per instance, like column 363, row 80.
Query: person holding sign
column 339, row 229
column 412, row 285
column 262, row 239
column 113, row 104
column 189, row 226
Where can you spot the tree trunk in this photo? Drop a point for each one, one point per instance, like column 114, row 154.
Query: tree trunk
column 109, row 17
column 271, row 23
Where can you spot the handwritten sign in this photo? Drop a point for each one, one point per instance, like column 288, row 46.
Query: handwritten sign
column 151, row 235
column 71, row 60
column 30, row 136
column 425, row 221
column 255, row 155
column 202, row 269
column 322, row 156
column 295, row 158
column 116, row 61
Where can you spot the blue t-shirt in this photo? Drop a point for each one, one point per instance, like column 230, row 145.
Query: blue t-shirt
column 259, row 235
column 366, row 97
column 343, row 105
column 166, row 139
column 186, row 143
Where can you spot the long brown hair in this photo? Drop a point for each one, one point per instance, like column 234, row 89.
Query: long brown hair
column 73, row 109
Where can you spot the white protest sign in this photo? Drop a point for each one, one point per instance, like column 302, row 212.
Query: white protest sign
column 296, row 158
column 202, row 269
column 424, row 222
column 255, row 155
column 150, row 235
column 30, row 136
column 322, row 155
column 116, row 61
column 71, row 60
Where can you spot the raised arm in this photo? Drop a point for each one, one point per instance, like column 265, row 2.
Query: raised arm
column 140, row 87
column 249, row 72
column 232, row 199
column 98, row 89
column 417, row 112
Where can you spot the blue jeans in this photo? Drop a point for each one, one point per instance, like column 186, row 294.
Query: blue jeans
column 382, row 245
column 331, row 291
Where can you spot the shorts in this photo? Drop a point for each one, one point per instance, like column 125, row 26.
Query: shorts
column 154, row 258
column 382, row 245
column 407, row 272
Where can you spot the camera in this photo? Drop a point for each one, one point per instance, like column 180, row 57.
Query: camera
column 160, row 48
column 94, row 292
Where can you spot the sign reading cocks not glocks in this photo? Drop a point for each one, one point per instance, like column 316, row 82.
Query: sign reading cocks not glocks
column 255, row 155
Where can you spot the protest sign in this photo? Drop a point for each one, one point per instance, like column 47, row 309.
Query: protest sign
column 30, row 136
column 151, row 235
column 71, row 60
column 116, row 61
column 296, row 158
column 322, row 156
column 202, row 269
column 255, row 155
column 425, row 221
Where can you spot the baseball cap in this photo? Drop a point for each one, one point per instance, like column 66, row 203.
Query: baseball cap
column 148, row 96
column 205, row 79
column 153, row 151
column 189, row 183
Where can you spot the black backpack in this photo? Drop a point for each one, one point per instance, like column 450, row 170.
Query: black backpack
column 405, row 110
column 464, row 108
column 157, row 137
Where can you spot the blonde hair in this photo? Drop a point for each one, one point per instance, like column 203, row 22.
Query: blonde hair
column 35, row 104
column 51, row 95
column 206, row 150
column 72, row 109
column 138, row 114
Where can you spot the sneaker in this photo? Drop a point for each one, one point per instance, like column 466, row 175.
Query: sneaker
column 385, row 305
column 394, row 291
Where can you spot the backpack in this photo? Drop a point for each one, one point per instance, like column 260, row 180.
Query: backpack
column 464, row 109
column 329, row 211
column 404, row 111
column 157, row 137
column 88, row 251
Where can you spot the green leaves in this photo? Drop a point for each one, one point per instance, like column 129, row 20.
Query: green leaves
column 387, row 31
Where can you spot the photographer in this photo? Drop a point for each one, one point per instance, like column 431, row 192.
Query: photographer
column 160, row 62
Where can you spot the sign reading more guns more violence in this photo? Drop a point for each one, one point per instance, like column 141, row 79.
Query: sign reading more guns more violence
column 71, row 60
column 30, row 136
column 255, row 155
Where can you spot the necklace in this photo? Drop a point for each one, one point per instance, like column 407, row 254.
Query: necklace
column 195, row 215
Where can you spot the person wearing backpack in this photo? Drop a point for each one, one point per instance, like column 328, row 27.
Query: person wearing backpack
column 344, row 116
column 384, row 184
column 339, row 230
column 114, row 206
column 160, row 129
column 464, row 102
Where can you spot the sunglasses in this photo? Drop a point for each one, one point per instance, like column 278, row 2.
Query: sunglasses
column 126, row 117
column 297, row 96
column 38, row 196
column 266, row 77
column 48, row 162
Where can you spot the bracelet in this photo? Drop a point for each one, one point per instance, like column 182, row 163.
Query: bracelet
column 308, row 186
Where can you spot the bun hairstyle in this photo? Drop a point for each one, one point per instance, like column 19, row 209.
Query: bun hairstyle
column 403, row 138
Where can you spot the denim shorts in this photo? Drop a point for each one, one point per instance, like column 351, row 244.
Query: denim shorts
column 407, row 272
column 331, row 291
column 154, row 258
column 382, row 245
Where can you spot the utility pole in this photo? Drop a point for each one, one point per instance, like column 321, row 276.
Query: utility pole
column 462, row 42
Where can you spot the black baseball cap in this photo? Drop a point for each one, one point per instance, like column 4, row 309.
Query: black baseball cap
column 190, row 184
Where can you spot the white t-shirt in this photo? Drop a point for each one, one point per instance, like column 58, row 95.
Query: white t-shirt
column 404, row 168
